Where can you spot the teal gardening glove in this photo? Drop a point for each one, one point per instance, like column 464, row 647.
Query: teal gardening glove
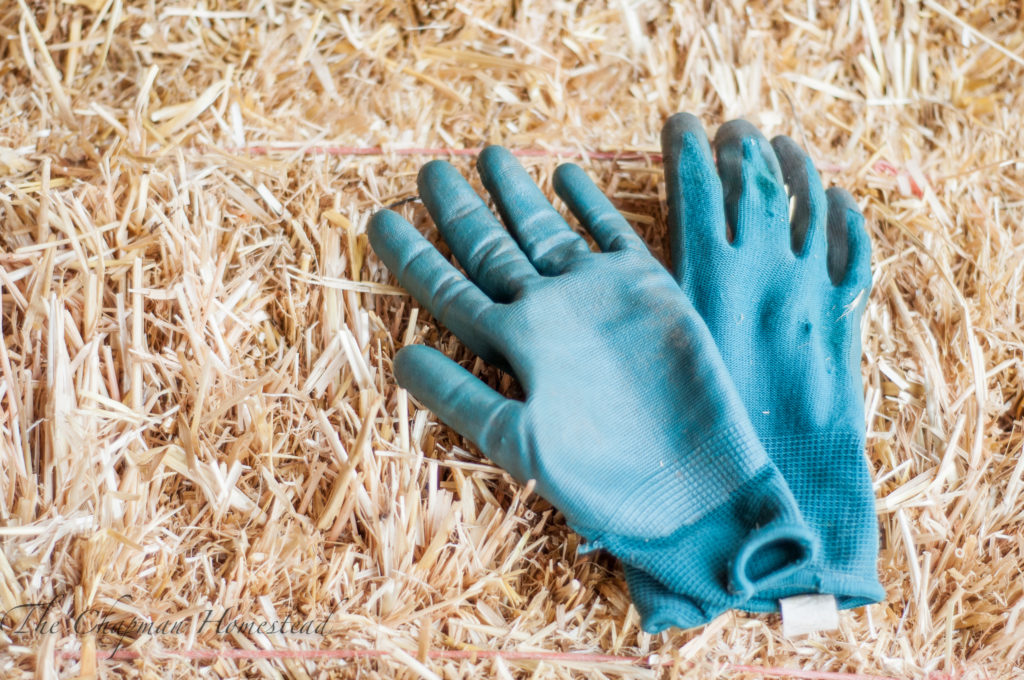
column 783, row 300
column 631, row 426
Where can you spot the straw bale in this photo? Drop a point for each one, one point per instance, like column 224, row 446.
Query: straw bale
column 196, row 402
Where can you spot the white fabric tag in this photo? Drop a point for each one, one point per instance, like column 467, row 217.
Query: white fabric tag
column 803, row 614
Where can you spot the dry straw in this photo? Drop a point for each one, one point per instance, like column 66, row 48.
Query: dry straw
column 196, row 402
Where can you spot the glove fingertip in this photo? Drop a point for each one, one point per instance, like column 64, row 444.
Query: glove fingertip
column 411, row 361
column 434, row 172
column 567, row 177
column 390, row 236
column 676, row 128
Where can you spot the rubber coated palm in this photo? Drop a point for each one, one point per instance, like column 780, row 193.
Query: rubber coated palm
column 631, row 425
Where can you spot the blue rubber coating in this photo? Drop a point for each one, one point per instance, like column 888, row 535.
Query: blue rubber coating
column 631, row 425
column 782, row 292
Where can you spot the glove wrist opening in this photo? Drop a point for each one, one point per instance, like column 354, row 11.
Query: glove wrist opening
column 770, row 554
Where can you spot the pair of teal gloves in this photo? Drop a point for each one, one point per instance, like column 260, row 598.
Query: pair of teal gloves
column 705, row 425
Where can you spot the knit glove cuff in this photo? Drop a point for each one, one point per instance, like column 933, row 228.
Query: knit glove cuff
column 751, row 539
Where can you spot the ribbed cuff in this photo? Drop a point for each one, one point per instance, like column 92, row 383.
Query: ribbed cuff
column 850, row 590
column 756, row 537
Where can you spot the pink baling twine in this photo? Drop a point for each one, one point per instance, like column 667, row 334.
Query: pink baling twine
column 882, row 165
column 648, row 661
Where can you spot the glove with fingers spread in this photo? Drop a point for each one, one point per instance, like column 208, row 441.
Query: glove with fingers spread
column 782, row 292
column 631, row 426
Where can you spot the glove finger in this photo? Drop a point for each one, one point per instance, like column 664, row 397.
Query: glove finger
column 849, row 248
column 807, row 215
column 548, row 241
column 594, row 211
column 432, row 280
column 755, row 196
column 696, row 210
column 491, row 257
column 463, row 402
